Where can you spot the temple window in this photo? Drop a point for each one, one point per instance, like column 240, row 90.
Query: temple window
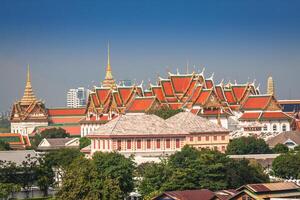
column 168, row 145
column 158, row 143
column 274, row 127
column 103, row 144
column 207, row 138
column 215, row 137
column 148, row 144
column 128, row 144
column 223, row 137
column 177, row 143
column 191, row 139
column 265, row 128
column 138, row 144
column 98, row 141
column 199, row 138
column 283, row 127
column 119, row 145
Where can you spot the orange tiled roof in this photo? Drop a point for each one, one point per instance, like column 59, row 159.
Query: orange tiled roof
column 239, row 91
column 180, row 83
column 141, row 104
column 274, row 115
column 250, row 116
column 256, row 102
column 66, row 111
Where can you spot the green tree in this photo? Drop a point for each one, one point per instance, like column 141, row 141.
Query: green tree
column 81, row 181
column 297, row 148
column 165, row 112
column 247, row 145
column 287, row 166
column 4, row 146
column 48, row 133
column 45, row 176
column 111, row 190
column 280, row 148
column 84, row 142
column 4, row 125
column 116, row 166
column 8, row 188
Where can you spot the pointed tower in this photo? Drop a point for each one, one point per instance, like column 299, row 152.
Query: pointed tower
column 109, row 80
column 271, row 86
column 29, row 96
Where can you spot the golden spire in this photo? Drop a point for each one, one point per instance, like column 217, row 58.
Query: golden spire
column 109, row 80
column 108, row 74
column 271, row 86
column 29, row 96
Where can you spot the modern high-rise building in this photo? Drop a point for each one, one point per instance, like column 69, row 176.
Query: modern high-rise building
column 77, row 98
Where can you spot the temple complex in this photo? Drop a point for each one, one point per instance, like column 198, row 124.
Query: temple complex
column 239, row 107
column 28, row 113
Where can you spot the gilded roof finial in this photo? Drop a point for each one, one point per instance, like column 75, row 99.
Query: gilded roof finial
column 109, row 80
column 29, row 96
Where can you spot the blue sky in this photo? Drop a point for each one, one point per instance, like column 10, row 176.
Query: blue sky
column 65, row 43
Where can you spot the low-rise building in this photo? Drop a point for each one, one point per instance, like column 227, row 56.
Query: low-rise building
column 48, row 144
column 149, row 137
column 290, row 138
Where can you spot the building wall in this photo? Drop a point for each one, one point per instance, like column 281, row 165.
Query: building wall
column 26, row 128
column 77, row 97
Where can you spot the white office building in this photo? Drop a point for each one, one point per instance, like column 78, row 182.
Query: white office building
column 77, row 98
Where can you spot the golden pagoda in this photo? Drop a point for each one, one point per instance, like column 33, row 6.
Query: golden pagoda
column 271, row 86
column 29, row 96
column 109, row 80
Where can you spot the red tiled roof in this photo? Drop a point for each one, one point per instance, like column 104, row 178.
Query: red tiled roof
column 229, row 97
column 239, row 91
column 274, row 115
column 220, row 93
column 250, row 116
column 103, row 94
column 157, row 91
column 180, row 83
column 191, row 88
column 60, row 120
column 167, row 87
column 141, row 104
column 203, row 97
column 95, row 99
column 125, row 93
column 66, row 111
column 202, row 194
column 148, row 93
column 256, row 102
column 117, row 99
column 175, row 106
column 209, row 84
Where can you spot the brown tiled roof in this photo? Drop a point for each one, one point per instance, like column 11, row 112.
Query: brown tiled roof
column 137, row 124
column 284, row 136
column 202, row 194
column 194, row 124
column 271, row 187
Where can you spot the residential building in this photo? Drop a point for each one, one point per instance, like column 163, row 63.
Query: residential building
column 203, row 194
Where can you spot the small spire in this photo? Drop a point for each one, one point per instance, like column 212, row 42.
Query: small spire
column 29, row 96
column 271, row 86
column 109, row 80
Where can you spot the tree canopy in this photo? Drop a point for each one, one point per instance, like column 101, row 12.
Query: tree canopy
column 165, row 112
column 84, row 142
column 287, row 165
column 194, row 169
column 247, row 145
column 4, row 146
column 280, row 148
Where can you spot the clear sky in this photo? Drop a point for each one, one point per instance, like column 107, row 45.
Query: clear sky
column 65, row 43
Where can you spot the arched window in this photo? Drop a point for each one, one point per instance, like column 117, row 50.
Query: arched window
column 265, row 128
column 283, row 127
column 274, row 128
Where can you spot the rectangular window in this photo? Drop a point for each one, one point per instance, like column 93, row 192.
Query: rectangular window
column 99, row 144
column 177, row 143
column 223, row 137
column 103, row 144
column 199, row 138
column 215, row 137
column 94, row 141
column 168, row 143
column 158, row 143
column 148, row 144
column 191, row 139
column 223, row 148
column 119, row 145
column 128, row 144
column 207, row 138
column 138, row 144
column 108, row 144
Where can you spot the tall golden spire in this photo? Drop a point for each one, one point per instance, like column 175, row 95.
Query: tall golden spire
column 109, row 80
column 271, row 86
column 29, row 96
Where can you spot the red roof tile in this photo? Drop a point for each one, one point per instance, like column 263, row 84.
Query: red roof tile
column 141, row 104
column 209, row 84
column 229, row 97
column 167, row 87
column 202, row 194
column 66, row 112
column 180, row 83
column 256, row 102
column 203, row 96
column 239, row 91
column 250, row 116
column 274, row 115
column 157, row 91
